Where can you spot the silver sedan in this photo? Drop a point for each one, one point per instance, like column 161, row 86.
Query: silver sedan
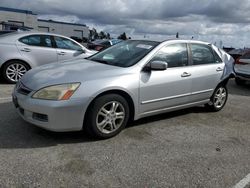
column 21, row 51
column 128, row 81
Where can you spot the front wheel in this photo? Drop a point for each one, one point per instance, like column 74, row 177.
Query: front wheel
column 107, row 116
column 219, row 99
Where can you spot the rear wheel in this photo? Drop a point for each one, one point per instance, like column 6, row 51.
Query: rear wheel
column 219, row 99
column 14, row 70
column 239, row 81
column 107, row 116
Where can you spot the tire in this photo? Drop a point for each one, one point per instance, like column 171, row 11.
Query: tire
column 239, row 81
column 218, row 99
column 14, row 70
column 107, row 116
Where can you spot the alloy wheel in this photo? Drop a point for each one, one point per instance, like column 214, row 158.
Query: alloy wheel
column 110, row 117
column 15, row 71
column 220, row 97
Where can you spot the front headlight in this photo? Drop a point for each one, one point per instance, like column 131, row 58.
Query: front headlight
column 57, row 92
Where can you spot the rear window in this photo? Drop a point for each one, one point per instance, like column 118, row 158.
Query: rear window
column 202, row 54
column 37, row 40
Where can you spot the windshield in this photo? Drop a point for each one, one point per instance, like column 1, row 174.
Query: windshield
column 125, row 54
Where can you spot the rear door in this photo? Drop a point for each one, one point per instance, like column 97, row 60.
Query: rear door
column 168, row 88
column 37, row 49
column 67, row 49
column 207, row 70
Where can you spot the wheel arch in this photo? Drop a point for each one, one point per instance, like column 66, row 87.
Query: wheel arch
column 225, row 80
column 120, row 92
column 1, row 68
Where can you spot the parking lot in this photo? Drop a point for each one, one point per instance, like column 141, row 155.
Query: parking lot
column 188, row 148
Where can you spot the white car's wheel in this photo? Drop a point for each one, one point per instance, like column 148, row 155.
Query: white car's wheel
column 14, row 70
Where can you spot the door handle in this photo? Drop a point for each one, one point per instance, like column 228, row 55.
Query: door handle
column 219, row 69
column 185, row 74
column 26, row 50
column 61, row 53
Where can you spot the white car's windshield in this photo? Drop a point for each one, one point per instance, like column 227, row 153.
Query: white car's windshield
column 125, row 54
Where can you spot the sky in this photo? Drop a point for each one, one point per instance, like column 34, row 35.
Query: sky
column 225, row 22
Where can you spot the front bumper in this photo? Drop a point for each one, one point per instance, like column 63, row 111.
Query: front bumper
column 58, row 116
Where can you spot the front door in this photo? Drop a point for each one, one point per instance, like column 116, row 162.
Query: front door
column 67, row 49
column 169, row 88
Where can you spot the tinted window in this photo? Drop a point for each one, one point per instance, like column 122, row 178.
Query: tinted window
column 64, row 43
column 175, row 55
column 202, row 54
column 34, row 40
column 37, row 40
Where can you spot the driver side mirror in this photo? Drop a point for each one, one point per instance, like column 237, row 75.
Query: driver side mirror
column 158, row 65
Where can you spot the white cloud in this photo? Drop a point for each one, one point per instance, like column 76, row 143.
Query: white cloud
column 212, row 20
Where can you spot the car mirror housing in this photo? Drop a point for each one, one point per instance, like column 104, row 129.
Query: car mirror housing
column 82, row 50
column 158, row 65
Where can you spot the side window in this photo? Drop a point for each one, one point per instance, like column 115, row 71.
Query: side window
column 202, row 54
column 175, row 55
column 37, row 40
column 47, row 41
column 64, row 43
column 33, row 40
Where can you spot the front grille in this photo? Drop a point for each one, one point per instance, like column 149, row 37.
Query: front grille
column 22, row 89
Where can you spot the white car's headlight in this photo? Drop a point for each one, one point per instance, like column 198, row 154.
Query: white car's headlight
column 57, row 92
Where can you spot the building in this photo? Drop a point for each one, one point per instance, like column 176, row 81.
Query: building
column 14, row 19
column 68, row 29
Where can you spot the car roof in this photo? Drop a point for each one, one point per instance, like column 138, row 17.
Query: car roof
column 173, row 40
column 12, row 37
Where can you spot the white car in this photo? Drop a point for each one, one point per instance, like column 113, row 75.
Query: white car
column 21, row 51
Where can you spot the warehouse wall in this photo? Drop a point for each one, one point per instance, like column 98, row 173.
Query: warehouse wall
column 29, row 20
column 64, row 29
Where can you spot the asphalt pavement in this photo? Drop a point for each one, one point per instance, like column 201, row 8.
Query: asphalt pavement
column 187, row 148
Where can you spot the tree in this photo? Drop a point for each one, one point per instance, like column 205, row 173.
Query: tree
column 102, row 35
column 123, row 36
column 93, row 34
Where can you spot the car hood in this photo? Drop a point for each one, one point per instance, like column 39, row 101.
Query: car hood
column 78, row 70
